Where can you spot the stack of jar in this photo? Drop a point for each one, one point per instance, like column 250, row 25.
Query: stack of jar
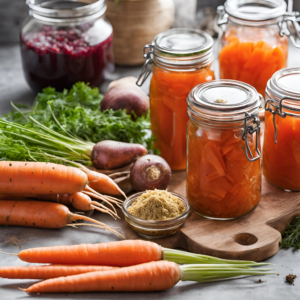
column 221, row 150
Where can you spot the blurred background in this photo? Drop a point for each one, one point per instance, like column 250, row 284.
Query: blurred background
column 188, row 13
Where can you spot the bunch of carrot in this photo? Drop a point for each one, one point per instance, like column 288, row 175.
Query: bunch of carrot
column 21, row 182
column 122, row 266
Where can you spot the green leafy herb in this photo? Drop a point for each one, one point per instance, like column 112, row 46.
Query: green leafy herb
column 77, row 111
column 64, row 127
column 291, row 236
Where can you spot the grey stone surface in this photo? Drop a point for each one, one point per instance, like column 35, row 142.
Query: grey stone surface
column 13, row 88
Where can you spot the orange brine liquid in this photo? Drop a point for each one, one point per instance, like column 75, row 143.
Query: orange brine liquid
column 169, row 118
column 221, row 182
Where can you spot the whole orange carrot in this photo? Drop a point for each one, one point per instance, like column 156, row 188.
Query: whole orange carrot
column 102, row 183
column 40, row 178
column 121, row 254
column 79, row 201
column 42, row 215
column 153, row 276
column 49, row 271
column 83, row 202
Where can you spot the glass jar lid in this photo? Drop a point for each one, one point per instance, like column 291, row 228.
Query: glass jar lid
column 57, row 11
column 285, row 83
column 178, row 49
column 224, row 100
column 255, row 10
column 182, row 42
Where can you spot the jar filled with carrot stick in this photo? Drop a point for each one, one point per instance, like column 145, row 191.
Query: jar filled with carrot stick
column 180, row 60
column 254, row 43
column 223, row 160
column 281, row 151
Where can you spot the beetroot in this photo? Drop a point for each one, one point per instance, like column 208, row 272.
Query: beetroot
column 125, row 94
column 109, row 155
column 150, row 172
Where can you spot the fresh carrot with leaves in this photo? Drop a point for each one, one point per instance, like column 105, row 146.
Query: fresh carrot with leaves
column 40, row 178
column 121, row 254
column 42, row 215
column 48, row 271
column 152, row 276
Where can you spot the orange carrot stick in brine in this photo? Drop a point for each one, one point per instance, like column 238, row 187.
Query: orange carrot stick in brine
column 253, row 63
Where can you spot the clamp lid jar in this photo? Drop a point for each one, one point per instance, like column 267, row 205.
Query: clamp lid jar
column 223, row 163
column 179, row 59
column 254, row 40
column 63, row 42
column 281, row 162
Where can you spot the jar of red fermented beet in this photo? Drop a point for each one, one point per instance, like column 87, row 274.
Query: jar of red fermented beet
column 63, row 42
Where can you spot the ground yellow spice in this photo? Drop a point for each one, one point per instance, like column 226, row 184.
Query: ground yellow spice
column 157, row 205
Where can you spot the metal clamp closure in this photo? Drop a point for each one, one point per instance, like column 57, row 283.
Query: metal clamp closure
column 250, row 129
column 277, row 110
column 222, row 17
column 284, row 28
column 146, row 69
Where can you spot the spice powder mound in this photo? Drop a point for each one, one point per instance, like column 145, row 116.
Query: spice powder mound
column 157, row 205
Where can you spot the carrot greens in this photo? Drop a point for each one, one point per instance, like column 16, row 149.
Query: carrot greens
column 77, row 111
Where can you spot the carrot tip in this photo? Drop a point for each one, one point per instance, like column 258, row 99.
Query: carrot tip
column 24, row 290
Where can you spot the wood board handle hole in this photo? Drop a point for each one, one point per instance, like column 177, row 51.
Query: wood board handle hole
column 245, row 239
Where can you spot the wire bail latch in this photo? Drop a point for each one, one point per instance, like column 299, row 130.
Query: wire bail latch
column 250, row 129
column 146, row 69
column 277, row 110
column 284, row 28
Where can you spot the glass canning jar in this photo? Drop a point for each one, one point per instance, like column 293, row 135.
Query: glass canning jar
column 254, row 44
column 281, row 150
column 63, row 42
column 223, row 160
column 180, row 60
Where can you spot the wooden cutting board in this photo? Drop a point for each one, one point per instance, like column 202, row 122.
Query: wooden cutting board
column 255, row 236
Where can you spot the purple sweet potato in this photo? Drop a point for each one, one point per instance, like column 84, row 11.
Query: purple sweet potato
column 125, row 94
column 150, row 172
column 109, row 155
